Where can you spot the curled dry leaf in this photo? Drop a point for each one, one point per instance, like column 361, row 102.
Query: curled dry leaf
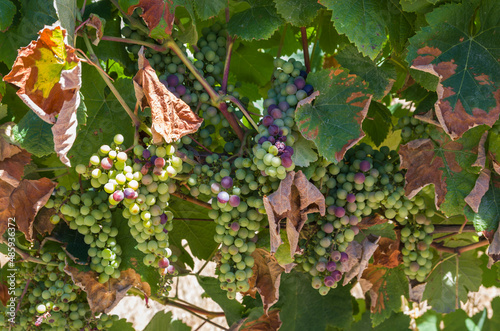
column 158, row 15
column 266, row 278
column 96, row 23
column 4, row 294
column 103, row 297
column 372, row 220
column 359, row 255
column 48, row 74
column 388, row 254
column 479, row 190
column 295, row 198
column 172, row 118
column 42, row 222
column 267, row 322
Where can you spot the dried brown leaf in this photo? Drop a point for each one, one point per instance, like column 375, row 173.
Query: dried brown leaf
column 103, row 297
column 479, row 190
column 359, row 256
column 493, row 250
column 266, row 278
column 295, row 198
column 387, row 254
column 267, row 322
column 42, row 222
column 172, row 117
column 375, row 275
column 157, row 14
column 96, row 23
column 4, row 293
column 372, row 220
column 481, row 152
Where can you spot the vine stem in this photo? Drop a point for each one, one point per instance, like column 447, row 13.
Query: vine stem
column 445, row 228
column 192, row 200
column 194, row 219
column 50, row 169
column 135, row 42
column 243, row 110
column 461, row 249
column 200, row 144
column 305, row 47
column 26, row 257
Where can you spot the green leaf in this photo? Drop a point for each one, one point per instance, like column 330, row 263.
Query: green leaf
column 488, row 214
column 377, row 123
column 303, row 152
column 257, row 22
column 303, row 308
column 429, row 321
column 66, row 12
column 121, row 325
column 383, row 230
column 298, row 12
column 415, row 5
column 422, row 99
column 250, row 65
column 395, row 322
column 105, row 116
column 361, row 21
column 132, row 257
column 401, row 25
column 329, row 38
column 34, row 135
column 393, row 284
column 465, row 57
column 163, row 321
column 333, row 120
column 494, row 149
column 209, row 8
column 35, row 14
column 199, row 234
column 441, row 287
column 232, row 308
column 271, row 45
column 7, row 12
column 380, row 78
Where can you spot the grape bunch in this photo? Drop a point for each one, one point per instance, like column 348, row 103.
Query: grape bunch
column 416, row 236
column 412, row 128
column 273, row 151
column 52, row 301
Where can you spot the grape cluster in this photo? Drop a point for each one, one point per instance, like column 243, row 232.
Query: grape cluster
column 411, row 129
column 416, row 238
column 52, row 301
column 273, row 151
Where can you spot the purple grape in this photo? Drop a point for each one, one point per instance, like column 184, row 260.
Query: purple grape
column 181, row 89
column 331, row 266
column 267, row 120
column 353, row 220
column 273, row 130
column 129, row 193
column 321, row 266
column 262, row 140
column 235, row 226
column 289, row 150
column 276, row 113
column 350, row 197
column 300, row 82
column 335, row 255
column 339, row 211
column 172, row 80
column 272, row 140
column 165, row 230
column 163, row 218
column 172, row 89
column 152, row 160
column 329, row 281
column 286, row 161
column 282, row 139
column 327, row 228
column 159, row 162
column 359, row 178
column 343, row 257
column 226, row 182
column 283, row 105
column 118, row 196
column 223, row 197
column 271, row 107
column 164, row 82
column 263, row 173
column 171, row 269
column 234, row 200
column 280, row 146
column 308, row 89
column 146, row 154
column 355, row 229
column 163, row 263
column 303, row 73
column 106, row 163
column 280, row 132
column 137, row 160
column 337, row 275
column 364, row 166
column 215, row 187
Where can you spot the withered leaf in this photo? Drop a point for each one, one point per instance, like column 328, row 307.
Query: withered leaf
column 479, row 190
column 388, row 254
column 4, row 294
column 42, row 222
column 295, row 198
column 158, row 15
column 493, row 250
column 172, row 117
column 103, row 297
column 48, row 74
column 267, row 322
column 266, row 278
column 359, row 256
column 371, row 220
column 96, row 24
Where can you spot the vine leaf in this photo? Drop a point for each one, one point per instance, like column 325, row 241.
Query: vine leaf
column 304, row 153
column 465, row 62
column 479, row 190
column 266, row 322
column 298, row 12
column 333, row 118
column 487, row 217
column 445, row 163
column 257, row 22
column 388, row 254
column 158, row 15
column 103, row 297
column 47, row 73
column 164, row 321
column 7, row 13
column 494, row 150
column 386, row 287
column 362, row 22
column 377, row 123
column 209, row 8
column 359, row 255
column 295, row 198
column 172, row 117
column 266, row 278
column 95, row 24
column 372, row 220
column 4, row 293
